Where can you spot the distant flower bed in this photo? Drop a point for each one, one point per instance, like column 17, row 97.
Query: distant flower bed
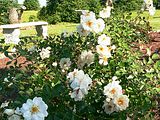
column 93, row 73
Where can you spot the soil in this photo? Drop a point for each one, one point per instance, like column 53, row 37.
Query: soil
column 153, row 45
column 21, row 61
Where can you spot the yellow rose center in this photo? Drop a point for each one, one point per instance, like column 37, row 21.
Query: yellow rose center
column 113, row 91
column 101, row 48
column 120, row 102
column 89, row 23
column 34, row 109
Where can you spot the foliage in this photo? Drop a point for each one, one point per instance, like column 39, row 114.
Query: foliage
column 32, row 18
column 128, row 5
column 139, row 76
column 156, row 3
column 31, row 4
column 64, row 10
column 5, row 5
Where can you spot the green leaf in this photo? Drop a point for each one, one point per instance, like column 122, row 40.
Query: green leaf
column 57, row 90
column 128, row 17
column 157, row 65
column 6, row 48
column 158, row 90
column 155, row 56
column 149, row 75
column 150, row 61
column 9, row 62
column 47, row 90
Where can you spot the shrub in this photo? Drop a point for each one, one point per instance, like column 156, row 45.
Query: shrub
column 64, row 11
column 31, row 4
column 32, row 18
column 128, row 5
column 53, row 60
column 42, row 13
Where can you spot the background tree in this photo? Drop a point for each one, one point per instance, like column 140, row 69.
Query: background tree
column 156, row 3
column 31, row 4
column 64, row 10
column 128, row 5
column 5, row 5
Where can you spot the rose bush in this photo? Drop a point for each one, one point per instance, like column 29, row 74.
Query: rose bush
column 95, row 73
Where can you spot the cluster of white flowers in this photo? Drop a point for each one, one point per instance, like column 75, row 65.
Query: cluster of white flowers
column 80, row 83
column 150, row 7
column 115, row 100
column 104, row 49
column 45, row 53
column 34, row 109
column 86, row 57
column 89, row 23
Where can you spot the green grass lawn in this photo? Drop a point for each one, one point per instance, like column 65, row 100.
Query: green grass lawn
column 69, row 27
column 27, row 14
column 52, row 29
column 154, row 20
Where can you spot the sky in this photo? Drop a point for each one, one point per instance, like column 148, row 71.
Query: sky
column 42, row 2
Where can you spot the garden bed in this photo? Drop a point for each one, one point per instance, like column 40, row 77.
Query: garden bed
column 21, row 61
column 153, row 45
